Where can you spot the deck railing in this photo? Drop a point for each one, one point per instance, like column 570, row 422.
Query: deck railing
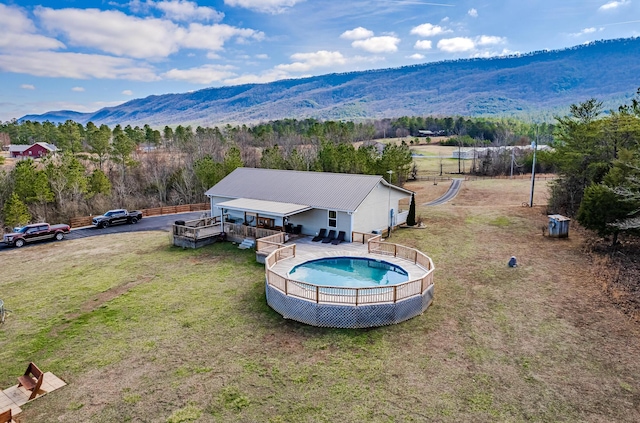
column 363, row 238
column 270, row 243
column 354, row 296
column 198, row 228
column 245, row 231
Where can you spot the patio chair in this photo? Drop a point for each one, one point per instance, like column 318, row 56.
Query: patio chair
column 320, row 236
column 330, row 237
column 339, row 239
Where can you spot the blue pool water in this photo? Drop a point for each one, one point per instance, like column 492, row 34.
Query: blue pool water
column 349, row 272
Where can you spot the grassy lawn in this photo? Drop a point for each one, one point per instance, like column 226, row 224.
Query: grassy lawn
column 142, row 331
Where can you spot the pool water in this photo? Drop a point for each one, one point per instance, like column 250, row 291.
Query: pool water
column 349, row 272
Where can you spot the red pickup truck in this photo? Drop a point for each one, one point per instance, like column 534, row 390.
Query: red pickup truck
column 36, row 232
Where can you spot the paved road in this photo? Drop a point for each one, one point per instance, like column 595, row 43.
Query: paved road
column 153, row 223
column 449, row 195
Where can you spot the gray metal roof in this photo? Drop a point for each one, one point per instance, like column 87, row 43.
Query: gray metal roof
column 260, row 206
column 333, row 191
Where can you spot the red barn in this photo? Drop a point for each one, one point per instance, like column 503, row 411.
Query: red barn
column 35, row 151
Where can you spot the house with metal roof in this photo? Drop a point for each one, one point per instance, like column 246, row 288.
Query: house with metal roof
column 36, row 150
column 308, row 201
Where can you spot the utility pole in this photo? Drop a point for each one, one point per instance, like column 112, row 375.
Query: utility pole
column 534, row 144
column 389, row 205
column 512, row 159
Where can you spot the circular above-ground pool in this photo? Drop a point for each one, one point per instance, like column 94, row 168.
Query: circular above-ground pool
column 350, row 291
column 351, row 272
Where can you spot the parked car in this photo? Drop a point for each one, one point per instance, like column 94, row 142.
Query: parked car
column 36, row 232
column 116, row 217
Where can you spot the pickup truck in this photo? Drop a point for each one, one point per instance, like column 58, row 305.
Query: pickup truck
column 115, row 217
column 36, row 232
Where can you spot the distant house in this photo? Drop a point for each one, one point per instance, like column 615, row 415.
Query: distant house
column 314, row 200
column 37, row 150
column 425, row 133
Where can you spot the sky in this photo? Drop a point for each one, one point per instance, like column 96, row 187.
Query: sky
column 86, row 55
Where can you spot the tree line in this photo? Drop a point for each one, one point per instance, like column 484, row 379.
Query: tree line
column 138, row 167
column 598, row 160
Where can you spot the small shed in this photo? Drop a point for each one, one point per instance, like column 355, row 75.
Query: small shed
column 558, row 226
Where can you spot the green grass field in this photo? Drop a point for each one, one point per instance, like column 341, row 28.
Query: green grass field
column 142, row 331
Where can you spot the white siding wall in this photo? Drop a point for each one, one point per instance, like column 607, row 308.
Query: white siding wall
column 233, row 214
column 373, row 213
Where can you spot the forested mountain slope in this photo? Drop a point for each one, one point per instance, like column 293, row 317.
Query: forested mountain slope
column 607, row 70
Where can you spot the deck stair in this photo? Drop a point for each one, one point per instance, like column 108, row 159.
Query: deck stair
column 247, row 243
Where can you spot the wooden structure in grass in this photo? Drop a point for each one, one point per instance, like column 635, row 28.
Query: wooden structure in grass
column 31, row 380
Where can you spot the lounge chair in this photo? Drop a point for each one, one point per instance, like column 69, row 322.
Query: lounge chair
column 320, row 236
column 339, row 239
column 330, row 237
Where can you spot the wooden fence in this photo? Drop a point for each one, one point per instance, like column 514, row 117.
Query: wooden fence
column 468, row 177
column 76, row 222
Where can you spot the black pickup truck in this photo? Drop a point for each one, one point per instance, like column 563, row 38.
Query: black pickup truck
column 116, row 217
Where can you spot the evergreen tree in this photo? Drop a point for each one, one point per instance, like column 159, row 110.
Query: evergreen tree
column 16, row 212
column 411, row 217
column 99, row 183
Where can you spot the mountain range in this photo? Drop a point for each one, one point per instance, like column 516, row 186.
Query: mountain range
column 521, row 84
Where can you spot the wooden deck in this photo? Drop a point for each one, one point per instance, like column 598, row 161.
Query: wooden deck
column 15, row 397
column 417, row 265
column 200, row 232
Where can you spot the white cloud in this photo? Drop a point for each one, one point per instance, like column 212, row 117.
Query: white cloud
column 428, row 30
column 423, row 45
column 19, row 32
column 184, row 10
column 262, row 56
column 445, row 19
column 473, row 13
column 358, row 33
column 127, row 92
column 456, row 44
column 119, row 34
column 75, row 65
column 586, row 31
column 485, row 40
column 614, row 5
column 267, row 6
column 416, row 56
column 383, row 44
column 201, row 75
column 213, row 37
column 78, row 89
column 27, row 87
column 304, row 62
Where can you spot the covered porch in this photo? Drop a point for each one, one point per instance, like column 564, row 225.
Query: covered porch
column 260, row 214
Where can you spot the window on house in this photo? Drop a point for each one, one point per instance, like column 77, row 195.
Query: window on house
column 333, row 219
